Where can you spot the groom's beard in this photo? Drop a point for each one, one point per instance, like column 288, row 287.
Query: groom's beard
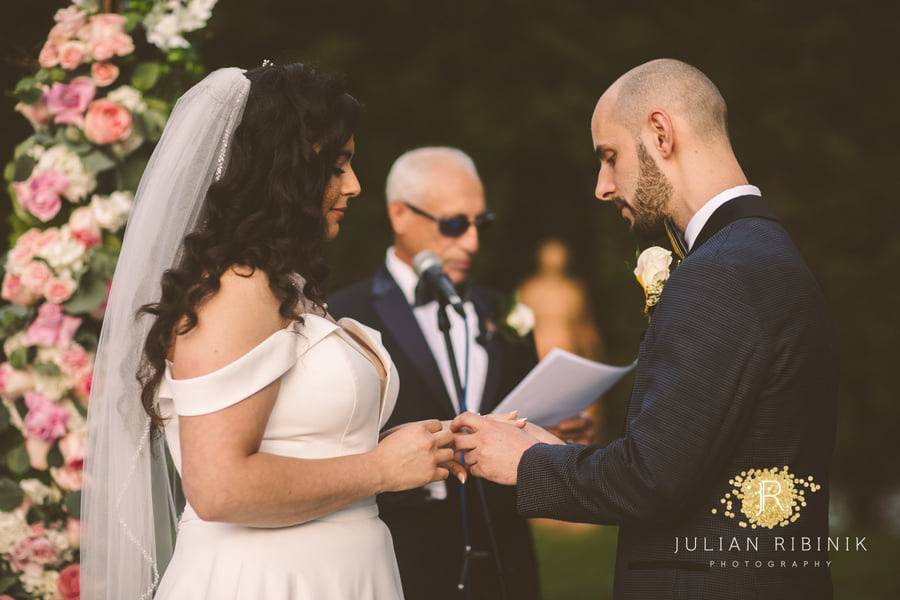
column 651, row 197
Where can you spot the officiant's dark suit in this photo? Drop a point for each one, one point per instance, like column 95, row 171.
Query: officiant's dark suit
column 426, row 523
column 736, row 371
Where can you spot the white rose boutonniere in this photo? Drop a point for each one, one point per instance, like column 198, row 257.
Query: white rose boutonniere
column 520, row 319
column 652, row 272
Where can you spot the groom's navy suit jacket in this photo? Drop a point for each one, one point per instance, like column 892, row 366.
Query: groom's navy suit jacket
column 427, row 533
column 736, row 371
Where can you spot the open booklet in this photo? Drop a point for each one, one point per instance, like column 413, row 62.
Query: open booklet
column 561, row 386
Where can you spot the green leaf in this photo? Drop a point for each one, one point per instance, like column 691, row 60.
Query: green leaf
column 57, row 74
column 47, row 369
column 152, row 123
column 12, row 319
column 98, row 162
column 9, row 171
column 87, row 339
column 24, row 166
column 17, row 460
column 27, row 91
column 19, row 359
column 132, row 19
column 72, row 502
column 146, row 75
column 11, row 494
column 129, row 174
column 4, row 417
column 89, row 295
column 55, row 457
column 7, row 582
column 103, row 262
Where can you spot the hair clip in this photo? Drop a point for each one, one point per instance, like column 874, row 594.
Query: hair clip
column 267, row 63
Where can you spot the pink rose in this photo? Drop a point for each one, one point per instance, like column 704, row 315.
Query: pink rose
column 104, row 73
column 35, row 276
column 15, row 291
column 68, row 478
column 72, row 449
column 13, row 382
column 45, row 239
column 69, row 583
column 59, row 289
column 24, row 250
column 31, row 554
column 37, row 453
column 71, row 55
column 123, row 44
column 107, row 122
column 68, row 102
column 70, row 19
column 52, row 327
column 37, row 113
column 48, row 58
column 45, row 420
column 74, row 359
column 39, row 195
column 73, row 531
column 84, row 227
column 103, row 50
column 82, row 386
column 6, row 597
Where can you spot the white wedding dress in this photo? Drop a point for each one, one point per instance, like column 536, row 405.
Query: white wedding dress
column 330, row 403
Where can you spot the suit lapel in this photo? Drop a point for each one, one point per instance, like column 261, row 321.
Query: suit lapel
column 398, row 318
column 491, row 342
column 741, row 207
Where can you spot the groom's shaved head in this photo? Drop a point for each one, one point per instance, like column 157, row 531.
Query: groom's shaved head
column 672, row 85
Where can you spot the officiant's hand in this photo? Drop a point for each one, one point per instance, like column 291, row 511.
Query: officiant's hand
column 577, row 430
column 493, row 447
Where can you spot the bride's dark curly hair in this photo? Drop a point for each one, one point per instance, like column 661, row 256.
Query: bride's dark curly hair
column 265, row 212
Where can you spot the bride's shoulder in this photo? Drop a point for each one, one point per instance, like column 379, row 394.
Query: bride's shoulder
column 240, row 315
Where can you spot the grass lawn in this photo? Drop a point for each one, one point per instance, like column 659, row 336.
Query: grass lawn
column 578, row 565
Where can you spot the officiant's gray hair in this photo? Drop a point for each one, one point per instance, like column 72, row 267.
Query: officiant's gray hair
column 676, row 84
column 408, row 179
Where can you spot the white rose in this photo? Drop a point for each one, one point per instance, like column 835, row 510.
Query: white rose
column 41, row 584
column 111, row 211
column 653, row 267
column 38, row 493
column 66, row 253
column 14, row 342
column 64, row 160
column 12, row 528
column 128, row 97
column 164, row 31
column 521, row 319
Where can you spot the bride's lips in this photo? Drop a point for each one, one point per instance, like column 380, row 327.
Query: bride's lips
column 340, row 212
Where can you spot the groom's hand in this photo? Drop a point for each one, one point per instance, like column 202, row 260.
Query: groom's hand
column 493, row 448
column 576, row 430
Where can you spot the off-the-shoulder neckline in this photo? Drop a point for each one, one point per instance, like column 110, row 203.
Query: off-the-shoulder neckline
column 257, row 348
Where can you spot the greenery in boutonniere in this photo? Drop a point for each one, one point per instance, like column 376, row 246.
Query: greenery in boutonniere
column 652, row 271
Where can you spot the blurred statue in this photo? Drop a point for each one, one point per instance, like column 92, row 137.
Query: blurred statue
column 560, row 304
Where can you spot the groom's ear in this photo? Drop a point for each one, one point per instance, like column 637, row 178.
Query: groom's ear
column 663, row 131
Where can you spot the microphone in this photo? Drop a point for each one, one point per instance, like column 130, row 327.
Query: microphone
column 428, row 265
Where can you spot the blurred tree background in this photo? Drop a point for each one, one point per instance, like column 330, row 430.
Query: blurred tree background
column 813, row 99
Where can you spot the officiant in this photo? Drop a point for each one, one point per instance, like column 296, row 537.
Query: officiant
column 436, row 202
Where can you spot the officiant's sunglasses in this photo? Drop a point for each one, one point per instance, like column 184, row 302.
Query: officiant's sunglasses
column 457, row 226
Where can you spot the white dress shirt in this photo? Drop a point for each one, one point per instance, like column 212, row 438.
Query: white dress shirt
column 695, row 225
column 426, row 315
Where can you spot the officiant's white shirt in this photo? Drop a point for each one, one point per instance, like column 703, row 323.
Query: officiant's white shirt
column 695, row 225
column 426, row 315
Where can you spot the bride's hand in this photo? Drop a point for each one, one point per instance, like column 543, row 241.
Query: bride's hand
column 415, row 454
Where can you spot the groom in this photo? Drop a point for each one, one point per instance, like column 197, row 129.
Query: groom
column 723, row 469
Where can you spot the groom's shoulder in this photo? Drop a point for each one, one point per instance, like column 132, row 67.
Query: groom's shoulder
column 758, row 252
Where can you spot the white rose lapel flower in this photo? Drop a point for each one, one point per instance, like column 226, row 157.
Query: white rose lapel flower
column 520, row 319
column 652, row 272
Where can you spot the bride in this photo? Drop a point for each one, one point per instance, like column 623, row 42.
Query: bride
column 219, row 358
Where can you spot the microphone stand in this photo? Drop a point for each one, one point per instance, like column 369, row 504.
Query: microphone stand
column 468, row 554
